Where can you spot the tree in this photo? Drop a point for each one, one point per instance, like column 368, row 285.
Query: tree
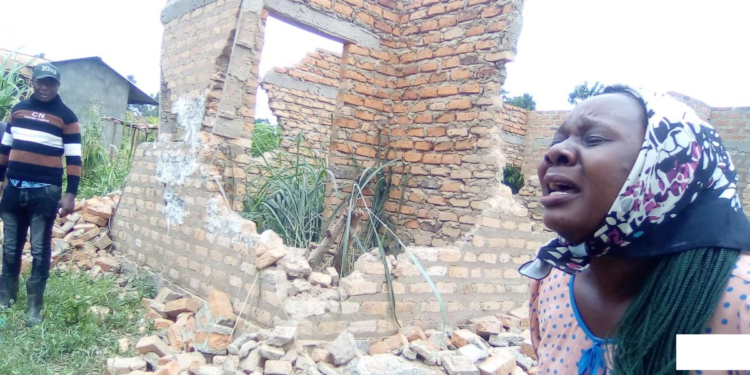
column 524, row 101
column 583, row 92
column 131, row 78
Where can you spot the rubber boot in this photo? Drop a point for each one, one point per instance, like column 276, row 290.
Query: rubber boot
column 8, row 291
column 35, row 292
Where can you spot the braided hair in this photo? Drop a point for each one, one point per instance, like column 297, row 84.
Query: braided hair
column 679, row 297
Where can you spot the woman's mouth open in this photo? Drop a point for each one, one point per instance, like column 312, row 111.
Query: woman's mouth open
column 558, row 190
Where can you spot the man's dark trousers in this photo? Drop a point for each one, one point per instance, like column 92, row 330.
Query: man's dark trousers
column 22, row 209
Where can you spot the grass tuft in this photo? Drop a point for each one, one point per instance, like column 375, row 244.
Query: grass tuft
column 71, row 340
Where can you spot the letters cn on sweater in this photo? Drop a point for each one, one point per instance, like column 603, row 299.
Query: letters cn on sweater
column 37, row 137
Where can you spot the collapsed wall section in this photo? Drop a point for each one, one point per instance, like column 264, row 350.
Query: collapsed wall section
column 303, row 99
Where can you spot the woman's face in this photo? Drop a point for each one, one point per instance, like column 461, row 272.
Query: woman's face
column 588, row 162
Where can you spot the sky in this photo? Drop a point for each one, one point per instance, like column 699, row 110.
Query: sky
column 698, row 48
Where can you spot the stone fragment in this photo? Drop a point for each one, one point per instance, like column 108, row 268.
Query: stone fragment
column 413, row 333
column 321, row 279
column 389, row 345
column 167, row 295
column 235, row 346
column 269, row 240
column 121, row 366
column 251, row 362
column 185, row 361
column 389, row 364
column 247, row 348
column 290, row 356
column 103, row 242
column 408, row 353
column 474, row 352
column 327, row 369
column 270, row 352
column 175, row 336
column 269, row 258
column 343, row 349
column 425, row 349
column 210, row 370
column 321, row 355
column 100, row 207
column 123, row 344
column 356, row 284
column 162, row 324
column 176, row 307
column 523, row 361
column 212, row 342
column 100, row 313
column 278, row 368
column 295, row 266
column 459, row 365
column 527, row 349
column 108, row 264
column 462, row 337
column 486, row 326
column 331, row 271
column 282, row 336
column 153, row 344
column 500, row 363
column 304, row 362
column 506, row 339
column 299, row 286
column 220, row 306
column 521, row 313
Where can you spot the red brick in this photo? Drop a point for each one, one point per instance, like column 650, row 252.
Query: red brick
column 429, row 66
column 452, row 159
column 468, row 16
column 448, row 90
column 430, row 25
column 485, row 44
column 374, row 104
column 460, row 104
column 404, row 144
column 343, row 9
column 437, row 78
column 498, row 26
column 346, row 123
column 451, row 186
column 357, row 50
column 350, row 74
column 491, row 11
column 416, row 132
column 431, row 159
column 460, row 74
column 436, row 132
column 432, row 38
column 451, row 62
column 424, row 54
column 447, row 22
column 466, row 144
column 364, row 115
column 424, row 118
column 474, row 31
column 475, row 2
column 444, row 146
column 366, row 18
column 466, row 116
column 423, row 146
column 446, row 118
column 366, row 151
column 428, row 92
column 382, row 26
column 418, row 107
column 444, row 51
column 412, row 157
column 358, row 3
column 437, row 200
column 464, row 48
column 363, row 89
column 470, row 88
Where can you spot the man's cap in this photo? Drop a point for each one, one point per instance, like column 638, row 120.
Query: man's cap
column 46, row 70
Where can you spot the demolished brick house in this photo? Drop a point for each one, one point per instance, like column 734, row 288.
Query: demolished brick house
column 425, row 73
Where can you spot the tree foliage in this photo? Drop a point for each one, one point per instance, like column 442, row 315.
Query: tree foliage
column 524, row 101
column 583, row 92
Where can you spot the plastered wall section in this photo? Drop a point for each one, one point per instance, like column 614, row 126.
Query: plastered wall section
column 303, row 99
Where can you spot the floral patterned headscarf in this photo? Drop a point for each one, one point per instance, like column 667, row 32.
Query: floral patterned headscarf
column 681, row 194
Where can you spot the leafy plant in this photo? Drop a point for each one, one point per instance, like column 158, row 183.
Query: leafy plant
column 288, row 197
column 13, row 86
column 524, row 101
column 513, row 178
column 104, row 171
column 266, row 137
column 72, row 339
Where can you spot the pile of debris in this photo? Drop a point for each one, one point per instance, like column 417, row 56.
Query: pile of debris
column 81, row 241
column 199, row 337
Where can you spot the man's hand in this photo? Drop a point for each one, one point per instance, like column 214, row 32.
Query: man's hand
column 67, row 204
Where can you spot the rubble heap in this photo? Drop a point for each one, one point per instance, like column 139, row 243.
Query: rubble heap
column 198, row 337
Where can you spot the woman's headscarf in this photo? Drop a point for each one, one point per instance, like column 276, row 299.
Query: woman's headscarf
column 681, row 194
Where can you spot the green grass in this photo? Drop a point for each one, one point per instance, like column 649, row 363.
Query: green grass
column 70, row 340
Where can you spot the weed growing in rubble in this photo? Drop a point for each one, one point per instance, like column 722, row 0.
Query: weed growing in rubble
column 14, row 87
column 266, row 137
column 288, row 196
column 72, row 339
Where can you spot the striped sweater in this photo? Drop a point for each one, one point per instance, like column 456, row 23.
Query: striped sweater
column 37, row 137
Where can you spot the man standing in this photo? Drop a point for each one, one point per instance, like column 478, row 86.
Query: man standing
column 40, row 132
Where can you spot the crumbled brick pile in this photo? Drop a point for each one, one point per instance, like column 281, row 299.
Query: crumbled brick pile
column 199, row 337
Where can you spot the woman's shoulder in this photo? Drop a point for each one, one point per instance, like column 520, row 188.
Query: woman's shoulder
column 742, row 268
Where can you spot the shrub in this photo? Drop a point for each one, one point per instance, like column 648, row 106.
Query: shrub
column 513, row 178
column 13, row 86
column 266, row 137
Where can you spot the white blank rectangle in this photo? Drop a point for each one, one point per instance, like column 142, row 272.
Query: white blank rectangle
column 713, row 352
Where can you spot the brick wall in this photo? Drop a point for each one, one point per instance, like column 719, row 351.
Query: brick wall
column 303, row 99
column 514, row 123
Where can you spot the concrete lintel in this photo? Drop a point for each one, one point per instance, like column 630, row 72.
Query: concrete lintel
column 178, row 8
column 315, row 21
column 289, row 82
column 513, row 138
